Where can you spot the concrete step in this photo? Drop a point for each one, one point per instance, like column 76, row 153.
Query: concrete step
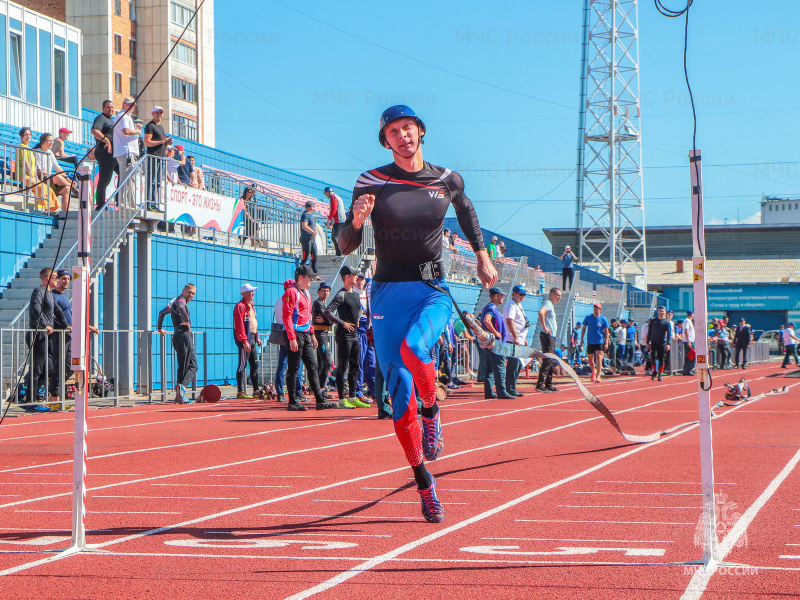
column 17, row 293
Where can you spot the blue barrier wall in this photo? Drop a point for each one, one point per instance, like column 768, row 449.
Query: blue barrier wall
column 20, row 236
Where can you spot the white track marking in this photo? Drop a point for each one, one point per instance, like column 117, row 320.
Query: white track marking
column 105, row 512
column 338, row 516
column 664, row 482
column 259, row 533
column 136, row 536
column 274, row 476
column 582, row 540
column 166, row 498
column 370, row 564
column 225, row 485
column 378, row 501
column 438, row 489
column 272, row 456
column 185, row 444
column 624, row 506
column 700, row 579
column 642, row 493
column 605, row 521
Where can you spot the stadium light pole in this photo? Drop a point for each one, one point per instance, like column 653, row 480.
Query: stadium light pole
column 709, row 518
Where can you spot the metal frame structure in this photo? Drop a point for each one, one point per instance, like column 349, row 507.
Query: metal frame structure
column 610, row 195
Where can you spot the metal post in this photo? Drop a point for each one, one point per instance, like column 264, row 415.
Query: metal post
column 163, row 350
column 701, row 348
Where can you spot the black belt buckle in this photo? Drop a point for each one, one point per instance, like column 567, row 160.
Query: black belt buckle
column 430, row 270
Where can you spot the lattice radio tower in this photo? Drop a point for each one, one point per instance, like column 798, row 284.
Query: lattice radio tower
column 610, row 202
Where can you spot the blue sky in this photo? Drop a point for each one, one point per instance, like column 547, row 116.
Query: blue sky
column 301, row 85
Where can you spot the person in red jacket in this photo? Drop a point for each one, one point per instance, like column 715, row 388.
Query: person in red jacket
column 300, row 339
column 245, row 330
column 336, row 217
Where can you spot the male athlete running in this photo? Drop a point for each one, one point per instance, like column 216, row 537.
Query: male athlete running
column 408, row 200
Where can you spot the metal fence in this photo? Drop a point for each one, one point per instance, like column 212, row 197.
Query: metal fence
column 125, row 366
column 18, row 172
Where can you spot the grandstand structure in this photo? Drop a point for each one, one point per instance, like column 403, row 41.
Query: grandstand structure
column 153, row 237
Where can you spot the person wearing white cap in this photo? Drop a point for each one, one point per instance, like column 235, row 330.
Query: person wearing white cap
column 245, row 332
column 155, row 142
column 567, row 267
column 491, row 247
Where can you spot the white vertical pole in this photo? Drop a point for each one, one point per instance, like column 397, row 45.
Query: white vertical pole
column 80, row 352
column 709, row 520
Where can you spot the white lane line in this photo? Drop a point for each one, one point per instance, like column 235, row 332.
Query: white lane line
column 788, row 556
column 438, row 489
column 167, row 497
column 378, row 501
column 700, row 579
column 185, row 444
column 104, row 512
column 92, row 474
column 33, row 483
column 624, row 506
column 446, row 478
column 9, row 495
column 605, row 521
column 291, row 496
column 642, row 493
column 225, row 485
column 273, row 456
column 338, row 516
column 582, row 540
column 274, row 476
column 241, row 533
column 663, row 482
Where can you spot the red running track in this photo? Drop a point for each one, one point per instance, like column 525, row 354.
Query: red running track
column 543, row 499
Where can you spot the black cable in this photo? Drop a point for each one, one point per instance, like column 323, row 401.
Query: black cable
column 15, row 389
column 667, row 12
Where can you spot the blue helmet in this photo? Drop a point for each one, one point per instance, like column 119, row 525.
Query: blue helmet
column 327, row 189
column 396, row 112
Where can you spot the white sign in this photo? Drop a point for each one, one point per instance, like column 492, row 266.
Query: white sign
column 201, row 208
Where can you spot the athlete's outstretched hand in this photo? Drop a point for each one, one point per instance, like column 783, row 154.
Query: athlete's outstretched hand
column 362, row 208
column 486, row 271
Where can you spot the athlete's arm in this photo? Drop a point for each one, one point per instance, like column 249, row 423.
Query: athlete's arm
column 290, row 301
column 583, row 332
column 545, row 328
column 162, row 313
column 337, row 301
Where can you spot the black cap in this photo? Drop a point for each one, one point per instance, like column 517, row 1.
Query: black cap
column 345, row 271
column 309, row 204
column 303, row 270
column 62, row 272
column 323, row 285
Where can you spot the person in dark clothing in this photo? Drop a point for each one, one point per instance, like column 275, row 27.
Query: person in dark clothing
column 185, row 167
column 308, row 236
column 41, row 314
column 568, row 259
column 492, row 321
column 347, row 304
column 155, row 143
column 245, row 332
column 102, row 130
column 336, row 217
column 62, row 337
column 182, row 340
column 658, row 338
column 322, row 328
column 741, row 339
column 299, row 334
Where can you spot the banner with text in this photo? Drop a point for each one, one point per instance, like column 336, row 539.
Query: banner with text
column 201, row 208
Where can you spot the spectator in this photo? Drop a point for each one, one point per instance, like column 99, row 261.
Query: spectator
column 308, row 234
column 547, row 338
column 322, row 328
column 597, row 340
column 126, row 147
column 658, row 341
column 366, row 357
column 688, row 343
column 567, row 268
column 47, row 165
column 102, row 130
column 495, row 364
column 517, row 325
column 464, row 337
column 185, row 168
column 182, row 340
column 790, row 347
column 276, row 337
column 722, row 334
column 446, row 239
column 58, row 147
column 347, row 306
column 631, row 341
column 621, row 333
column 197, row 175
column 644, row 348
column 453, row 240
column 613, row 343
column 138, row 124
column 245, row 333
column 780, row 339
column 300, row 339
column 741, row 340
column 41, row 315
column 501, row 249
column 538, row 276
column 336, row 217
column 155, row 142
column 491, row 247
column 575, row 346
column 172, row 165
column 25, row 163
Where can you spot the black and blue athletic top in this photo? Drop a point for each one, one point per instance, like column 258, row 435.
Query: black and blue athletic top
column 408, row 216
